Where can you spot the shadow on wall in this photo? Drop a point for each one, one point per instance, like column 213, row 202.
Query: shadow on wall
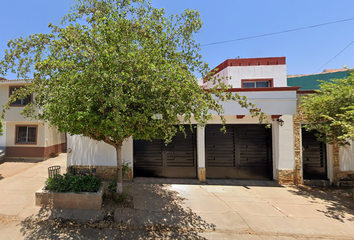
column 86, row 151
column 157, row 213
column 339, row 202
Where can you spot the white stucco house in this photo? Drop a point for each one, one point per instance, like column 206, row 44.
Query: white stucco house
column 247, row 151
column 25, row 138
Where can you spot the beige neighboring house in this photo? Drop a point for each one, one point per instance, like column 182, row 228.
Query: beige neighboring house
column 24, row 138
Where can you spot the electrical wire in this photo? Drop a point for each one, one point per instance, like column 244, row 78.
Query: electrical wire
column 280, row 32
column 334, row 56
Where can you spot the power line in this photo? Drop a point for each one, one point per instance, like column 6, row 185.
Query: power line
column 335, row 56
column 274, row 33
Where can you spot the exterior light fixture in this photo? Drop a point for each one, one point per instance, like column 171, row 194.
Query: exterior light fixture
column 157, row 116
column 280, row 121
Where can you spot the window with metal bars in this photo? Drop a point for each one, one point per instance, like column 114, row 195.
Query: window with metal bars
column 22, row 101
column 26, row 134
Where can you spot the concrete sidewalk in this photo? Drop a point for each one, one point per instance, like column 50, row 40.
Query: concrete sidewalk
column 17, row 190
column 178, row 209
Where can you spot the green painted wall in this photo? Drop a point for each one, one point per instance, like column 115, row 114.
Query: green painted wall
column 310, row 82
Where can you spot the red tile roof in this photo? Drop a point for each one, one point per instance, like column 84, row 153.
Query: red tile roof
column 14, row 80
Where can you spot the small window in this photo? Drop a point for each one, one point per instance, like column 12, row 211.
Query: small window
column 257, row 83
column 26, row 134
column 22, row 101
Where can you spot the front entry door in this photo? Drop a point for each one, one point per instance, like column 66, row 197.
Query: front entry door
column 313, row 157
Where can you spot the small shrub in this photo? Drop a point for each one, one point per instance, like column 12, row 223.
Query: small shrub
column 125, row 169
column 70, row 183
column 121, row 197
column 112, row 187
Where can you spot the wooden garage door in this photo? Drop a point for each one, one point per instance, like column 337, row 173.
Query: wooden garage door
column 313, row 157
column 243, row 152
column 177, row 159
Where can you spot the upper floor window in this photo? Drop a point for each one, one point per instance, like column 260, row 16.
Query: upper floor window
column 257, row 83
column 22, row 101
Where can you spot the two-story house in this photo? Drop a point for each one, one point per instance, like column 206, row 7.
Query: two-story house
column 248, row 150
column 24, row 138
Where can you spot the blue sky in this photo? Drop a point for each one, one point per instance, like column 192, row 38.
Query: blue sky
column 306, row 50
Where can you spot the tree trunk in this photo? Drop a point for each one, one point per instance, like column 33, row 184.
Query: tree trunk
column 119, row 168
column 335, row 161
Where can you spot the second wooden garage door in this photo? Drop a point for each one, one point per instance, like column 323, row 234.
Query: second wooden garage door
column 243, row 152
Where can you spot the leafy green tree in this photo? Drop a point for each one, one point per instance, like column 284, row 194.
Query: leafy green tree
column 111, row 67
column 330, row 111
column 1, row 128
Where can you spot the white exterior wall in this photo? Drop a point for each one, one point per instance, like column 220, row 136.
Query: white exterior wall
column 85, row 151
column 90, row 152
column 346, row 158
column 237, row 73
column 52, row 136
column 270, row 102
column 3, row 136
column 283, row 145
column 14, row 113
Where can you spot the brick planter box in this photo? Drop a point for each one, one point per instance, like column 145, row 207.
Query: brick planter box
column 83, row 200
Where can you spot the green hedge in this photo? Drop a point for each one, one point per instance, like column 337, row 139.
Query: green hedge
column 70, row 183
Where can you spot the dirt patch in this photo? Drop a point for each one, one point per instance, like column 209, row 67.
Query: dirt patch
column 9, row 169
column 109, row 203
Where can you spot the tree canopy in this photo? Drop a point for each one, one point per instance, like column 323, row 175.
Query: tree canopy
column 330, row 111
column 111, row 66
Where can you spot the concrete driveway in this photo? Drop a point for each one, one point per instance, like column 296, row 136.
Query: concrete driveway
column 269, row 211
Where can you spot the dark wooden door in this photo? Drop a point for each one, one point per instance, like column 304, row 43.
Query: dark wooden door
column 254, row 151
column 313, row 157
column 177, row 159
column 243, row 152
column 220, row 152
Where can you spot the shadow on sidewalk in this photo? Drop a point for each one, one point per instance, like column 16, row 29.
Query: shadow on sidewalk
column 339, row 202
column 223, row 182
column 157, row 214
column 20, row 160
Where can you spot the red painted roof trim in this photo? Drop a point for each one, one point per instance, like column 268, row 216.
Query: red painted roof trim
column 15, row 80
column 250, row 62
column 276, row 116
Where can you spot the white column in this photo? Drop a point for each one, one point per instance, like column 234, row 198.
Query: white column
column 201, row 153
column 284, row 155
column 286, row 144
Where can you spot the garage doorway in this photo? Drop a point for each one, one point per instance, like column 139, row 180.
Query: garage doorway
column 177, row 159
column 243, row 152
